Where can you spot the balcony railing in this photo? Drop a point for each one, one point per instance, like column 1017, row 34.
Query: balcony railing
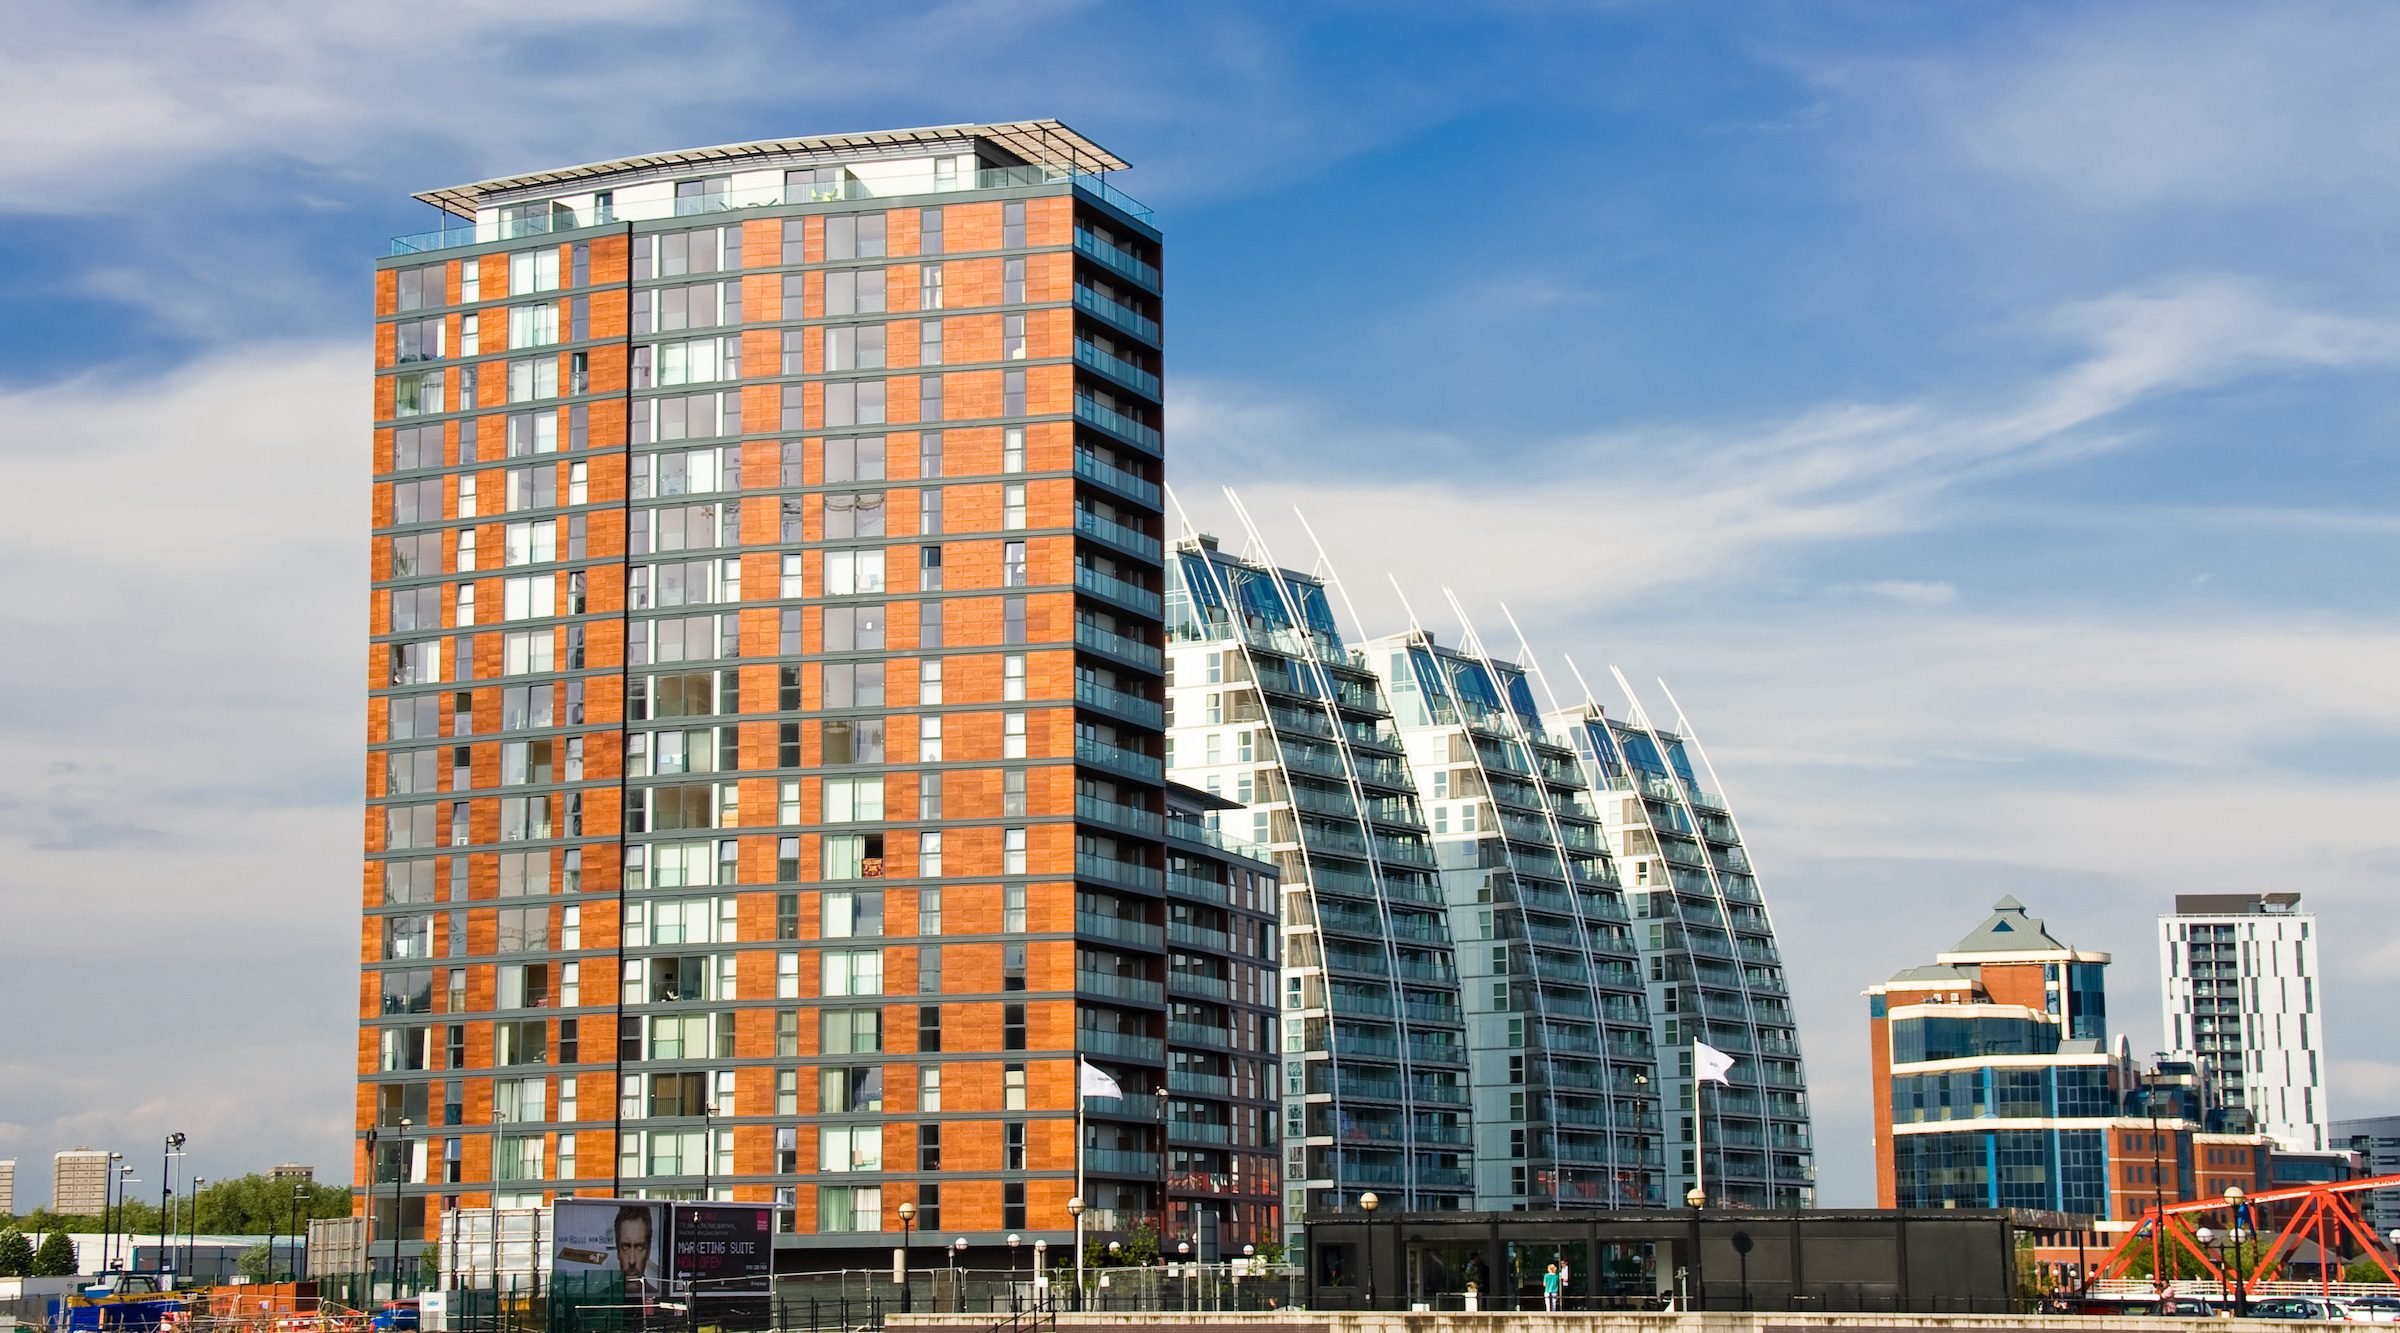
column 1148, row 712
column 1124, row 592
column 1116, row 479
column 1118, row 646
column 1117, row 368
column 1148, row 767
column 560, row 219
column 1119, row 535
column 1129, row 428
column 1116, row 260
column 1117, row 314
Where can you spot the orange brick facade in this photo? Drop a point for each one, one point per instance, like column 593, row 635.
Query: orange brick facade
column 733, row 686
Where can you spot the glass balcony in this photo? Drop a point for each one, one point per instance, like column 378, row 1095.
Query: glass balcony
column 1120, row 988
column 1130, row 429
column 558, row 219
column 1116, row 314
column 1117, row 479
column 1115, row 260
column 1124, row 592
column 1130, row 706
column 1118, row 759
column 1117, row 646
column 1141, row 934
column 1119, row 369
column 1134, row 541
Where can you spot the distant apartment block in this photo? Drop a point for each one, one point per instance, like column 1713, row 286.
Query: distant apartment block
column 2238, row 978
column 79, row 1182
column 8, row 1187
column 292, row 1171
column 2377, row 1141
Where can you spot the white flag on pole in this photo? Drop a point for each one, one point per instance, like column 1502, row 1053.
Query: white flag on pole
column 1097, row 1083
column 1710, row 1065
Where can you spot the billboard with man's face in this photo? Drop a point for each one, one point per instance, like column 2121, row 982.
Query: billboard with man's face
column 625, row 1237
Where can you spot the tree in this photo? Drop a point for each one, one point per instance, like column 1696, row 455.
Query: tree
column 2180, row 1262
column 255, row 1261
column 16, row 1253
column 55, row 1258
column 2365, row 1269
column 1270, row 1255
column 254, row 1205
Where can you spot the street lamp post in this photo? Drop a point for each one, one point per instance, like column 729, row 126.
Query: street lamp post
column 297, row 1192
column 191, row 1227
column 708, row 1147
column 908, row 1218
column 165, row 1159
column 1695, row 1294
column 958, row 1286
column 1075, row 1210
column 1014, row 1240
column 109, row 1194
column 373, row 1138
column 125, row 1183
column 1183, row 1258
column 1369, row 1202
column 1249, row 1257
column 399, row 1223
column 2235, row 1199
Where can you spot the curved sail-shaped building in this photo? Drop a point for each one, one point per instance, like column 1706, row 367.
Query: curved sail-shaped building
column 1558, row 1023
column 1709, row 954
column 1269, row 708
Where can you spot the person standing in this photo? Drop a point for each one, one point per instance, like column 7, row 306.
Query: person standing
column 1564, row 1273
column 1550, row 1289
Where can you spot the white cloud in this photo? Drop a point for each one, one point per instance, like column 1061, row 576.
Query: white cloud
column 183, row 717
column 1646, row 511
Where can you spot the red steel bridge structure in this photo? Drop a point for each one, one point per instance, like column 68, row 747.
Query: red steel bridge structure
column 2322, row 1213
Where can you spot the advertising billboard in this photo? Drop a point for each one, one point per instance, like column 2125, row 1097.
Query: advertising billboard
column 591, row 1239
column 723, row 1255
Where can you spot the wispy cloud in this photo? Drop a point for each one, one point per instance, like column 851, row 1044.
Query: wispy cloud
column 1646, row 511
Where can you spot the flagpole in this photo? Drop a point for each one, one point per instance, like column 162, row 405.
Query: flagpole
column 1699, row 1128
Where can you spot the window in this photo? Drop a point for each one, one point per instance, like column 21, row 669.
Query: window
column 1012, row 677
column 929, row 1028
column 929, row 1147
column 1012, row 449
column 533, row 271
column 1012, row 896
column 929, row 287
column 854, row 235
column 853, row 741
column 1012, row 506
column 929, row 624
column 1012, row 1027
column 849, row 1208
column 852, row 856
column 848, row 573
column 1012, row 226
column 850, row 292
column 929, row 852
column 853, row 347
column 929, row 906
column 850, row 914
column 929, row 398
column 1012, row 1088
column 929, row 567
column 929, row 510
column 533, row 325
column 1012, row 393
column 929, row 969
column 425, row 287
column 1012, row 862
column 855, row 458
column 854, row 403
column 1012, row 282
column 851, row 1090
column 1012, row 620
column 1012, row 737
column 850, row 1031
column 929, row 342
column 929, row 1087
column 1012, row 781
column 929, row 681
column 929, row 220
column 852, row 628
column 1012, row 344
column 850, row 1148
column 1012, row 567
column 929, row 740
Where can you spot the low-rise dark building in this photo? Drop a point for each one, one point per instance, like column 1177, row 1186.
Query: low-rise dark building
column 1947, row 1260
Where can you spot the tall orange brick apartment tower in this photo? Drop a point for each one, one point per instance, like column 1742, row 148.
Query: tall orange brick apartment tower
column 764, row 782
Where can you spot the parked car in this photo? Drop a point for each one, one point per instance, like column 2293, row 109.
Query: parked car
column 2374, row 1309
column 2302, row 1307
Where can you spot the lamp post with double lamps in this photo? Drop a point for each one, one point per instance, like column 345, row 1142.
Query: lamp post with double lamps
column 166, row 1159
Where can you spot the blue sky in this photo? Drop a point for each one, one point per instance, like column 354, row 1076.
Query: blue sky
column 1983, row 416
